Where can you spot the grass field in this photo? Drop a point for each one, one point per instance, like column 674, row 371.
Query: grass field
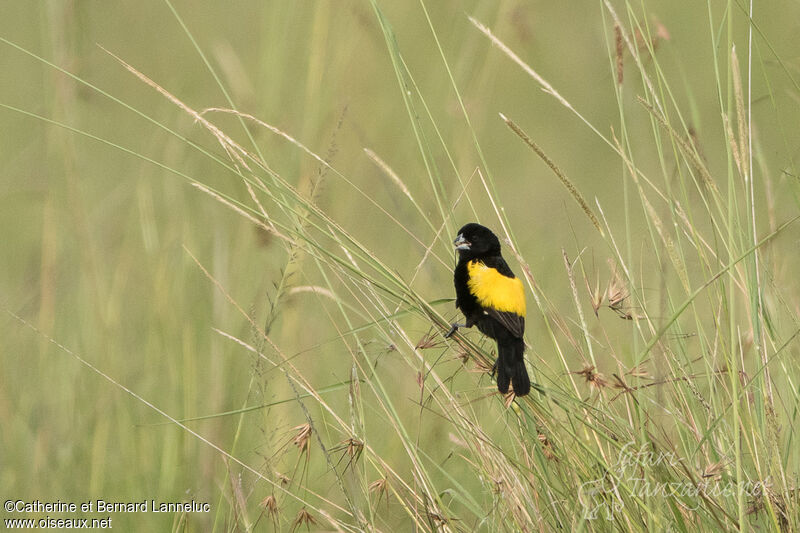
column 226, row 264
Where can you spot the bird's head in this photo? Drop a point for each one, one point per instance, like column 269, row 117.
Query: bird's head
column 475, row 240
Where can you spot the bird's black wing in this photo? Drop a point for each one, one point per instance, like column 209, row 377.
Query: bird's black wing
column 510, row 321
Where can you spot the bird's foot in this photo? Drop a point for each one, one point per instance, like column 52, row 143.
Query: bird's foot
column 453, row 328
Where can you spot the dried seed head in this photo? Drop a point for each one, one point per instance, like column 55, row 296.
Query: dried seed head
column 301, row 440
column 379, row 485
column 595, row 296
column 354, row 447
column 715, row 470
column 616, row 291
column 594, row 379
column 547, row 448
column 616, row 295
column 270, row 504
column 350, row 448
column 429, row 340
column 303, row 518
column 381, row 488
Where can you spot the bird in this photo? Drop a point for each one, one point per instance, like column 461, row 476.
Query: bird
column 492, row 298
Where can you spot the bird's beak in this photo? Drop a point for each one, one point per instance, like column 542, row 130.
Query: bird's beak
column 461, row 243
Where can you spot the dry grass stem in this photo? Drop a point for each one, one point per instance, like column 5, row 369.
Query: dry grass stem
column 557, row 171
column 687, row 149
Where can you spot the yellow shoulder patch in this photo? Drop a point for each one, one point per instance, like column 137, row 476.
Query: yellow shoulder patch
column 494, row 290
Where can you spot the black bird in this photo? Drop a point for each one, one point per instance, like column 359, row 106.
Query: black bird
column 492, row 298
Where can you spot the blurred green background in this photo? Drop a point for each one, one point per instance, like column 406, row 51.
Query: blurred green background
column 95, row 241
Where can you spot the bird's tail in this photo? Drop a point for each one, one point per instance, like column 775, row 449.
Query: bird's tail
column 511, row 367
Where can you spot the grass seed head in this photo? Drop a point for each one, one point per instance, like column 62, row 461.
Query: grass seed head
column 270, row 504
column 462, row 356
column 351, row 449
column 714, row 471
column 594, row 379
column 303, row 518
column 380, row 487
column 303, row 437
column 546, row 447
column 429, row 340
